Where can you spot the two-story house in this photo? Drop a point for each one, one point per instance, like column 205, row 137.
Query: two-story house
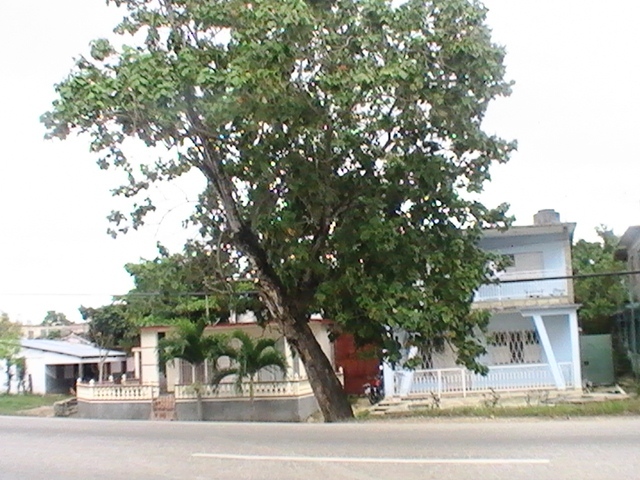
column 532, row 340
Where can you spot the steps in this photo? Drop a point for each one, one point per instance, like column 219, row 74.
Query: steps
column 164, row 407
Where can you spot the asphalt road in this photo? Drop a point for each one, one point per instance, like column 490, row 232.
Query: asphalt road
column 52, row 448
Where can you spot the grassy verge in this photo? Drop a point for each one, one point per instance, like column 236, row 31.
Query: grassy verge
column 13, row 404
column 629, row 406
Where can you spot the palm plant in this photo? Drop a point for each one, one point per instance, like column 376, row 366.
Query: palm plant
column 188, row 342
column 250, row 357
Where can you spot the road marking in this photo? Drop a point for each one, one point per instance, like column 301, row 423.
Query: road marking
column 409, row 461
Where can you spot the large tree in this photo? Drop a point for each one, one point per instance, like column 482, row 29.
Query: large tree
column 341, row 143
column 600, row 296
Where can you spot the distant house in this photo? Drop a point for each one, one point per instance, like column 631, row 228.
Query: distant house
column 53, row 366
column 628, row 321
column 50, row 331
column 532, row 340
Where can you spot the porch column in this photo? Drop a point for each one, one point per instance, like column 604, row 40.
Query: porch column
column 388, row 379
column 136, row 364
column 575, row 349
column 548, row 350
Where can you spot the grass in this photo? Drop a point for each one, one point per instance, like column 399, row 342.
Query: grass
column 629, row 406
column 13, row 404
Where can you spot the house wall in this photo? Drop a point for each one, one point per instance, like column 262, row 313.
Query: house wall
column 149, row 372
column 559, row 335
column 36, row 367
column 555, row 261
column 149, row 346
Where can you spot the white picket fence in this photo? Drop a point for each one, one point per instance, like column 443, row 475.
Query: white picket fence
column 460, row 381
column 98, row 392
column 285, row 388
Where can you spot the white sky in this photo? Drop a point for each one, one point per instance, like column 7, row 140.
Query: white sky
column 574, row 112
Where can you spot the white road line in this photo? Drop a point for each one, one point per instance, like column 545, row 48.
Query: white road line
column 410, row 461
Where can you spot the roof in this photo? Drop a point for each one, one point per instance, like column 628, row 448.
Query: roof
column 76, row 350
column 525, row 230
column 234, row 326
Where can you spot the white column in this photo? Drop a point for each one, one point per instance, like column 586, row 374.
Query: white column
column 548, row 350
column 575, row 349
column 388, row 376
column 136, row 364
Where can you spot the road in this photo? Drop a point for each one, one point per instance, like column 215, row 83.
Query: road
column 57, row 448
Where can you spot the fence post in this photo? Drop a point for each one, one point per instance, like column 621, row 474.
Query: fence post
column 439, row 376
column 464, row 382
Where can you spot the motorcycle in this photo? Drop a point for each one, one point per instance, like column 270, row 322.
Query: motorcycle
column 374, row 391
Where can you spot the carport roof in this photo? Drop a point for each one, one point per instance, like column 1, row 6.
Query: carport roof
column 77, row 350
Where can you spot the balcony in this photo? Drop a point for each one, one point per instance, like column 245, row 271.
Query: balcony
column 533, row 286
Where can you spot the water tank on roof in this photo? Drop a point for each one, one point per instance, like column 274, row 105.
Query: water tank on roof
column 546, row 217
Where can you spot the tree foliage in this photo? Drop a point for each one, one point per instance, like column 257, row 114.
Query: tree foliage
column 9, row 337
column 9, row 346
column 249, row 356
column 341, row 143
column 189, row 342
column 186, row 286
column 600, row 297
column 55, row 319
column 110, row 327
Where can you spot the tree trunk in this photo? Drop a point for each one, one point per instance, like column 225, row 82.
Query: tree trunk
column 9, row 377
column 198, row 386
column 327, row 389
column 199, row 412
column 332, row 400
column 253, row 407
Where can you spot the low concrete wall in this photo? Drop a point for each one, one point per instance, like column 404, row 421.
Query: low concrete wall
column 115, row 410
column 241, row 410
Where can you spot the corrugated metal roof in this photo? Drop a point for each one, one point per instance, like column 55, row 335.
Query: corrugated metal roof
column 71, row 349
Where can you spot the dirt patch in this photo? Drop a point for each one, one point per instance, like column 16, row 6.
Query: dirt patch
column 45, row 411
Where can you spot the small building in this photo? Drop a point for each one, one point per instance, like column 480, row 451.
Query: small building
column 53, row 366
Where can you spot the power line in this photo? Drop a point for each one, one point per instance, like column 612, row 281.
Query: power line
column 573, row 277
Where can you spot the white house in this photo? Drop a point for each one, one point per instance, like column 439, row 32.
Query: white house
column 158, row 391
column 53, row 366
column 532, row 340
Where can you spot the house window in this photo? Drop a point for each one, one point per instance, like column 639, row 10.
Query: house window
column 529, row 264
column 514, row 347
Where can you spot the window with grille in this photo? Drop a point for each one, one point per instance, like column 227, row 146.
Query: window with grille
column 513, row 347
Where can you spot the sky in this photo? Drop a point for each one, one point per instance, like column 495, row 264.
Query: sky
column 574, row 112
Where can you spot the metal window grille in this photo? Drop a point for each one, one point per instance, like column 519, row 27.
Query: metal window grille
column 514, row 347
